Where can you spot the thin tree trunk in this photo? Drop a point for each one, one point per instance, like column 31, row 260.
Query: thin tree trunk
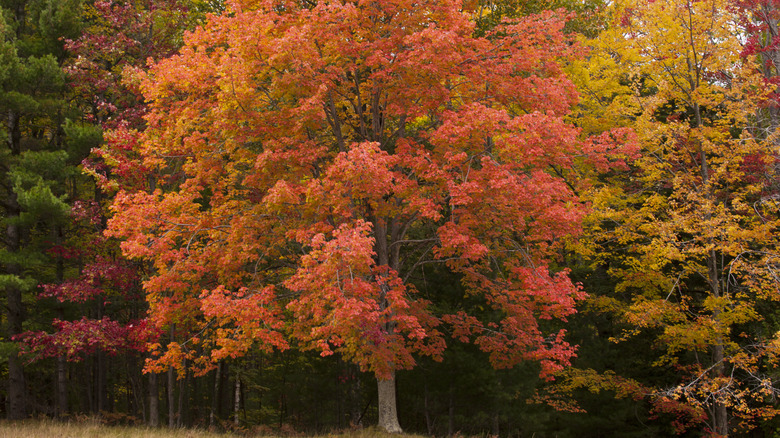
column 355, row 402
column 89, row 377
column 179, row 420
column 62, row 387
column 719, row 410
column 451, row 414
column 171, row 389
column 428, row 421
column 184, row 397
column 136, row 387
column 237, row 401
column 720, row 414
column 154, row 401
column 171, row 398
column 102, row 383
column 215, row 397
column 16, row 389
column 388, row 413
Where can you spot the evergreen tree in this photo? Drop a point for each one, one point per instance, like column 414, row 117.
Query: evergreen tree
column 33, row 161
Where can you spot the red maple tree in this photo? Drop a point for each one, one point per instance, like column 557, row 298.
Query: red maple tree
column 311, row 159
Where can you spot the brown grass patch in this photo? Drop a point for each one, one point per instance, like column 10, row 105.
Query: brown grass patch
column 96, row 429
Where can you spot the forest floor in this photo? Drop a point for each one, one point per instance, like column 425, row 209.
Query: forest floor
column 94, row 429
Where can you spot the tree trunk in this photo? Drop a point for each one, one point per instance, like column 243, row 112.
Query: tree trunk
column 450, row 413
column 16, row 389
column 62, row 387
column 428, row 420
column 215, row 397
column 154, row 401
column 132, row 368
column 184, row 397
column 171, row 389
column 101, row 376
column 171, row 398
column 355, row 401
column 388, row 413
column 237, row 401
column 102, row 383
column 718, row 410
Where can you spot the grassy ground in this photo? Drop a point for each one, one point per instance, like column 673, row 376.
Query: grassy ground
column 93, row 429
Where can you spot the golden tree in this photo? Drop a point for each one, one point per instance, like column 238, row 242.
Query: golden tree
column 690, row 236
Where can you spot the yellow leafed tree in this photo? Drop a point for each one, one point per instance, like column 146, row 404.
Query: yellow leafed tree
column 690, row 236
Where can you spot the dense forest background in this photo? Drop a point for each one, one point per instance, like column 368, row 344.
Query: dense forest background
column 597, row 249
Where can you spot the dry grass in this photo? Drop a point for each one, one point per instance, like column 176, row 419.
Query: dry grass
column 94, row 429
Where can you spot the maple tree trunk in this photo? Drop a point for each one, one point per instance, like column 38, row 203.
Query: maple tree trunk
column 154, row 401
column 451, row 414
column 62, row 387
column 171, row 386
column 132, row 369
column 720, row 417
column 184, row 397
column 171, row 399
column 356, row 413
column 719, row 409
column 428, row 422
column 237, row 401
column 388, row 414
column 215, row 397
column 102, row 383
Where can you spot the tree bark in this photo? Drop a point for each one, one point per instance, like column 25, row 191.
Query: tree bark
column 215, row 397
column 154, row 401
column 388, row 413
column 102, row 383
column 718, row 410
column 237, row 401
column 62, row 387
column 355, row 402
column 428, row 420
column 171, row 398
column 171, row 389
column 720, row 414
column 184, row 397
column 450, row 413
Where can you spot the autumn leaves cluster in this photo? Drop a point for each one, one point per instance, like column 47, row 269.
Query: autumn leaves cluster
column 295, row 171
